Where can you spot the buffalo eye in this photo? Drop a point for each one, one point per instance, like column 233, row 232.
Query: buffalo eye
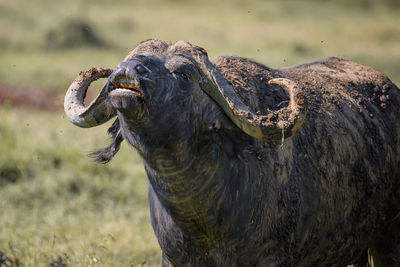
column 181, row 75
column 141, row 69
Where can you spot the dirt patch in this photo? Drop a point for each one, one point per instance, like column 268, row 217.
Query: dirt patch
column 30, row 98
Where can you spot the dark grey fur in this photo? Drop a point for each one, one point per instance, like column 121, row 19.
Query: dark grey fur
column 218, row 197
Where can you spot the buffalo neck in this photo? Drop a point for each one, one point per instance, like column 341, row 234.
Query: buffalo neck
column 202, row 178
column 181, row 171
column 177, row 159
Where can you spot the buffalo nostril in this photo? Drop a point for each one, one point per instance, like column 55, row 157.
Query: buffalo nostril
column 141, row 69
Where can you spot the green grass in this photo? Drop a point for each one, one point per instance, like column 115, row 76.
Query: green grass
column 277, row 33
column 56, row 205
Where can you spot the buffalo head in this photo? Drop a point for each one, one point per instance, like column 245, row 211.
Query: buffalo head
column 160, row 83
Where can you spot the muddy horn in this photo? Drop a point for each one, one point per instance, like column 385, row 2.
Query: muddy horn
column 273, row 126
column 98, row 111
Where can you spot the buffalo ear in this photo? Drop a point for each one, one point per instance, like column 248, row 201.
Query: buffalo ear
column 106, row 154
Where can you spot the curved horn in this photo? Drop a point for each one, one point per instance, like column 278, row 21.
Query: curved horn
column 291, row 117
column 274, row 126
column 270, row 127
column 98, row 111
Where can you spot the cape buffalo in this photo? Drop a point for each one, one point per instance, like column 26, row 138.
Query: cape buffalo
column 254, row 166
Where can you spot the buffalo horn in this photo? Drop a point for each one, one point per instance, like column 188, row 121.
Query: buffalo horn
column 98, row 111
column 274, row 126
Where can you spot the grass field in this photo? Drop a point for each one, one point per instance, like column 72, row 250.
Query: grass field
column 57, row 207
column 44, row 44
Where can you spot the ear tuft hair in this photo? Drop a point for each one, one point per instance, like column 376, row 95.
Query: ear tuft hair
column 106, row 154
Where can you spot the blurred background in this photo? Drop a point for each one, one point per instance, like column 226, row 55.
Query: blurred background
column 58, row 207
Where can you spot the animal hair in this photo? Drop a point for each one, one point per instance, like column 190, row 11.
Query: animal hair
column 106, row 154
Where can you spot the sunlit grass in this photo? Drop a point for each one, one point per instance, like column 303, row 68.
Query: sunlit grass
column 57, row 204
column 276, row 33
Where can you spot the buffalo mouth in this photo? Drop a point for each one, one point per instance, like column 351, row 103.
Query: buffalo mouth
column 123, row 85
